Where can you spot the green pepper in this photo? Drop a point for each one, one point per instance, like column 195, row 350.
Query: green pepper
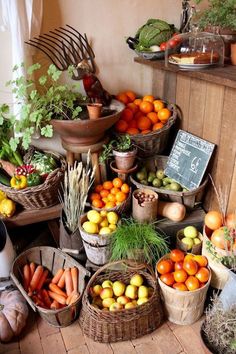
column 34, row 179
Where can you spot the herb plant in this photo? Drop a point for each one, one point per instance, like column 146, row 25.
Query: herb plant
column 132, row 239
column 221, row 13
column 40, row 100
column 123, row 143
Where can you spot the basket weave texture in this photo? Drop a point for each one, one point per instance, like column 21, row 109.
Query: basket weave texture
column 189, row 199
column 156, row 141
column 43, row 195
column 126, row 324
column 52, row 259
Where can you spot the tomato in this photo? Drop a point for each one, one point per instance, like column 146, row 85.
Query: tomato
column 179, row 265
column 201, row 260
column 165, row 266
column 180, row 276
column 163, row 46
column 190, row 266
column 177, row 255
column 188, row 256
column 172, row 43
column 218, row 238
column 203, row 274
column 167, row 278
column 180, row 286
column 192, row 283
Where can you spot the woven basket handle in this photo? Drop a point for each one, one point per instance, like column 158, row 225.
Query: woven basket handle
column 131, row 264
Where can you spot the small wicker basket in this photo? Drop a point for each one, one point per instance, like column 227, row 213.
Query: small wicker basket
column 119, row 209
column 52, row 259
column 126, row 324
column 189, row 199
column 43, row 195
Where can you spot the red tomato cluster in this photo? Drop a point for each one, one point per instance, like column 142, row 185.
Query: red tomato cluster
column 183, row 272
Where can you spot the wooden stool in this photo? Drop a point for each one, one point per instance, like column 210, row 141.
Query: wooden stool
column 73, row 152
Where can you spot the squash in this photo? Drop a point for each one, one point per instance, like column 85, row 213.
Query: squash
column 171, row 210
column 13, row 314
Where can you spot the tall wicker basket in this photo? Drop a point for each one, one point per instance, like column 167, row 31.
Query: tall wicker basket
column 52, row 259
column 106, row 326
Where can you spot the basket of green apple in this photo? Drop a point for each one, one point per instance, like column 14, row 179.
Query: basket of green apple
column 189, row 239
column 121, row 302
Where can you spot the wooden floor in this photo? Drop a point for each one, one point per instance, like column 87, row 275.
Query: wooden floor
column 40, row 338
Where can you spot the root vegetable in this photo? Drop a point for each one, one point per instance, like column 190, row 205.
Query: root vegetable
column 36, row 277
column 57, row 276
column 32, row 269
column 68, row 281
column 171, row 210
column 46, row 298
column 55, row 305
column 56, row 289
column 59, row 298
column 42, row 280
column 61, row 282
column 26, row 276
column 74, row 275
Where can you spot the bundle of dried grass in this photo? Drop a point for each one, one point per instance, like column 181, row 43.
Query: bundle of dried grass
column 77, row 182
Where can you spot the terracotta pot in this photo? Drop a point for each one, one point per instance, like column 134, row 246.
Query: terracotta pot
column 94, row 110
column 125, row 160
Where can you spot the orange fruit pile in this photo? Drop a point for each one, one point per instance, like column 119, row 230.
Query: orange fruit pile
column 141, row 115
column 109, row 194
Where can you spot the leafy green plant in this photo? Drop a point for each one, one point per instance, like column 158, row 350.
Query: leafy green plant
column 133, row 240
column 40, row 100
column 220, row 13
column 123, row 143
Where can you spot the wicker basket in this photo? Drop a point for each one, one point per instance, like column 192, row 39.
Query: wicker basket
column 106, row 326
column 52, row 259
column 155, row 142
column 43, row 195
column 189, row 199
column 119, row 209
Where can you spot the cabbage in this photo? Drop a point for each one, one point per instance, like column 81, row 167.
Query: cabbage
column 154, row 32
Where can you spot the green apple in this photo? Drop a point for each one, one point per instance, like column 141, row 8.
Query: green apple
column 190, row 231
column 196, row 241
column 118, row 288
column 136, row 280
column 142, row 291
column 107, row 284
column 188, row 242
column 131, row 291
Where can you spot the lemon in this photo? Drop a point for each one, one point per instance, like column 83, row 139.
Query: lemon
column 112, row 227
column 94, row 216
column 105, row 231
column 103, row 213
column 90, row 227
column 112, row 217
column 104, row 223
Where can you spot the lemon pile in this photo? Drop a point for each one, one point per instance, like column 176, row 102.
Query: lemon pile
column 102, row 223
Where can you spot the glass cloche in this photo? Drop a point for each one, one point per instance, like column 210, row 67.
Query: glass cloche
column 195, row 51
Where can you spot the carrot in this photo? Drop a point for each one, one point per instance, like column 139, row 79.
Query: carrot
column 32, row 269
column 46, row 298
column 36, row 277
column 48, row 281
column 68, row 281
column 26, row 276
column 55, row 305
column 59, row 298
column 57, row 276
column 42, row 280
column 38, row 301
column 74, row 276
column 61, row 282
column 56, row 289
column 74, row 298
column 69, row 297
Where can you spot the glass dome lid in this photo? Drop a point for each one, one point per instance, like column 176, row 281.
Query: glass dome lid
column 195, row 51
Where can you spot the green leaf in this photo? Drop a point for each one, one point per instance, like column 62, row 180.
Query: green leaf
column 33, row 68
column 33, row 94
column 43, row 80
column 4, row 108
column 15, row 67
column 47, row 131
column 14, row 142
column 76, row 112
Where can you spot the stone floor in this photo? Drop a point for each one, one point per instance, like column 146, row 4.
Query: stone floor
column 40, row 338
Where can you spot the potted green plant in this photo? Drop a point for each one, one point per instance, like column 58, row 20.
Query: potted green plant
column 123, row 150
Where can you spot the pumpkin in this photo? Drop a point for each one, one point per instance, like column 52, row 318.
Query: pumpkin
column 13, row 314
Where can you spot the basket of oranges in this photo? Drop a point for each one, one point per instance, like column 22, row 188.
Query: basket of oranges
column 112, row 195
column 147, row 120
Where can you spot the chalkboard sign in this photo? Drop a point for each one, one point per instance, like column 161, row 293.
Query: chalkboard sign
column 188, row 159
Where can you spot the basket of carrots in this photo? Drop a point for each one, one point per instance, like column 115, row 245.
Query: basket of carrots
column 52, row 282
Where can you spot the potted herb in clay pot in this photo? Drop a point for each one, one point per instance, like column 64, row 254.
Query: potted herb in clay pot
column 123, row 150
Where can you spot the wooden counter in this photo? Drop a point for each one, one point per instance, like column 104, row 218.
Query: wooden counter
column 207, row 100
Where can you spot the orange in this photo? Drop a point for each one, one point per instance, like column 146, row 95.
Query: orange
column 122, row 97
column 158, row 104
column 105, row 200
column 125, row 188
column 137, row 101
column 117, row 182
column 146, row 107
column 111, row 197
column 132, row 131
column 107, row 185
column 94, row 196
column 153, row 117
column 104, row 193
column 120, row 196
column 114, row 190
column 131, row 95
column 164, row 114
column 97, row 203
column 121, row 126
column 144, row 123
column 137, row 115
column 133, row 107
column 149, row 98
column 146, row 131
column 127, row 115
column 158, row 126
column 110, row 205
column 132, row 124
column 98, row 188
